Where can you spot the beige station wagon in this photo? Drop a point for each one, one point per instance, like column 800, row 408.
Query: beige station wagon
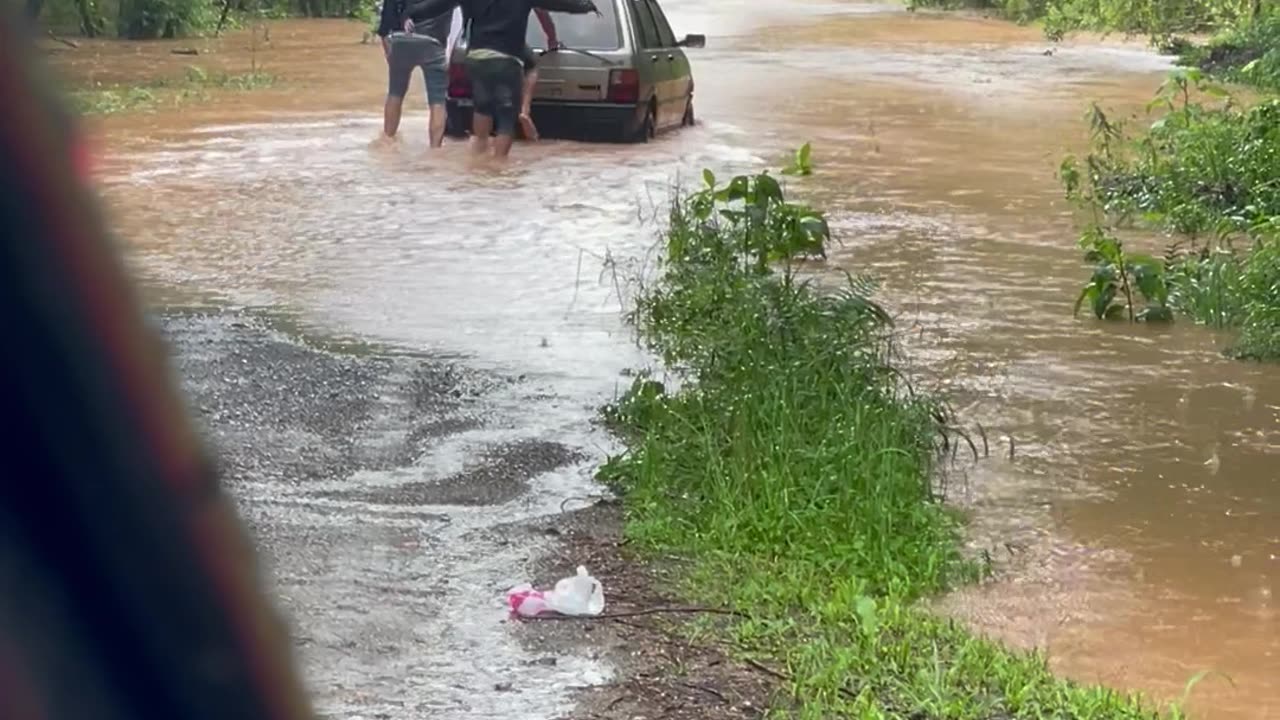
column 621, row 75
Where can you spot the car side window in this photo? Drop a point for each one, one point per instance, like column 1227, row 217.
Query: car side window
column 649, row 38
column 665, row 36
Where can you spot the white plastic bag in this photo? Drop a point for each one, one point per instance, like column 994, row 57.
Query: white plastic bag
column 580, row 595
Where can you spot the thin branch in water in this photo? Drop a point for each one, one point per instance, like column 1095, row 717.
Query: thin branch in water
column 69, row 43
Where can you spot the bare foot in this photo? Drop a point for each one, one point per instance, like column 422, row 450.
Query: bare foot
column 528, row 128
column 384, row 141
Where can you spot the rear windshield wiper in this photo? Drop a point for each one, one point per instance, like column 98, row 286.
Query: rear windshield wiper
column 565, row 48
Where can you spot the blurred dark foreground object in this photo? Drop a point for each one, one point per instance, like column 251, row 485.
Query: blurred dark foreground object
column 128, row 588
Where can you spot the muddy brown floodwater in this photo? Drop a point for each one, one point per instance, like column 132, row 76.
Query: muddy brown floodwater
column 1135, row 529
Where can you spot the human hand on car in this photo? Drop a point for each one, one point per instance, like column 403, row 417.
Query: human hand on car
column 408, row 25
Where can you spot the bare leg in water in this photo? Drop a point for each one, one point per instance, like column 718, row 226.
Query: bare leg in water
column 395, row 103
column 391, row 116
column 481, row 129
column 436, row 125
column 526, row 105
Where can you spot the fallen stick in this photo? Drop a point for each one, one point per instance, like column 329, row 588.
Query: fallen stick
column 639, row 613
column 69, row 43
column 708, row 690
column 777, row 675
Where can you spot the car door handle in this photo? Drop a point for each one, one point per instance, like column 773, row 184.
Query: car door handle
column 671, row 58
column 654, row 58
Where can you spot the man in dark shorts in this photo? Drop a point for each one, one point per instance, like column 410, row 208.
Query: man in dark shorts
column 408, row 45
column 495, row 46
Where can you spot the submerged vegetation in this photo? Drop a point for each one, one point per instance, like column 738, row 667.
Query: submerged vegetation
column 194, row 85
column 1205, row 172
column 800, row 470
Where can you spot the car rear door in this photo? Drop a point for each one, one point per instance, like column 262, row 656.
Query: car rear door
column 580, row 71
column 679, row 77
column 651, row 59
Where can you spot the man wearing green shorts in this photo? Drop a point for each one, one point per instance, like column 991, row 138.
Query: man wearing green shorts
column 494, row 52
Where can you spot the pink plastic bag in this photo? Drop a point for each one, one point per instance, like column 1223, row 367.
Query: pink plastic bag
column 527, row 602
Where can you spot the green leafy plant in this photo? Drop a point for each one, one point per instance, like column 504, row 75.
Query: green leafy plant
column 758, row 223
column 1116, row 276
column 802, row 163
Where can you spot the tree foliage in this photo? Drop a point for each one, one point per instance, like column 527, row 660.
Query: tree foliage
column 152, row 19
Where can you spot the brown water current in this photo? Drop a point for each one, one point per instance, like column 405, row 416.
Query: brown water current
column 1134, row 527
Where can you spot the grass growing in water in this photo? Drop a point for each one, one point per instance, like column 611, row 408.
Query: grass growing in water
column 797, row 467
column 192, row 86
column 1202, row 171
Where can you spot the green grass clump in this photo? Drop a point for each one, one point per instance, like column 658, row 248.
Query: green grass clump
column 193, row 86
column 1205, row 172
column 796, row 466
column 1259, row 337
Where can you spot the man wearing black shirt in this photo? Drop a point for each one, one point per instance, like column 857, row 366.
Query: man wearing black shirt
column 419, row 44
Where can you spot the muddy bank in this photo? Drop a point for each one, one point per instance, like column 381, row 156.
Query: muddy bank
column 387, row 544
column 664, row 669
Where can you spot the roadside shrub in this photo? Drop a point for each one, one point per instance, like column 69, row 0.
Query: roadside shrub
column 1158, row 19
column 1260, row 331
column 794, row 431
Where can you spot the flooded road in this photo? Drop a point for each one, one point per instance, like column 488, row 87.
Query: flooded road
column 1135, row 529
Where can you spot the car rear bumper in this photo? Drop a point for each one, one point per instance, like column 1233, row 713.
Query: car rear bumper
column 604, row 121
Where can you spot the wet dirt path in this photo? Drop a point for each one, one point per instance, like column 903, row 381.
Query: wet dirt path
column 1135, row 526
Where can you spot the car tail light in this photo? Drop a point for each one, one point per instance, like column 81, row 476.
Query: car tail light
column 624, row 86
column 459, row 84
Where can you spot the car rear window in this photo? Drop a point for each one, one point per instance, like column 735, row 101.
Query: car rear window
column 585, row 32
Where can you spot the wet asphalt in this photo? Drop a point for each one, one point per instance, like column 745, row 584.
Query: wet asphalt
column 382, row 488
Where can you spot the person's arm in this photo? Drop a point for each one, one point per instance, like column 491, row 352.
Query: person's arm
column 548, row 27
column 386, row 22
column 388, row 19
column 424, row 9
column 575, row 7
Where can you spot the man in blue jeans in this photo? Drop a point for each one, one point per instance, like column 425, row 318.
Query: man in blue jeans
column 407, row 45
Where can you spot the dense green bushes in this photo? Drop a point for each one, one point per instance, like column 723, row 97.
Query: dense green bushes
column 1157, row 18
column 1206, row 173
column 1249, row 28
column 1247, row 53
